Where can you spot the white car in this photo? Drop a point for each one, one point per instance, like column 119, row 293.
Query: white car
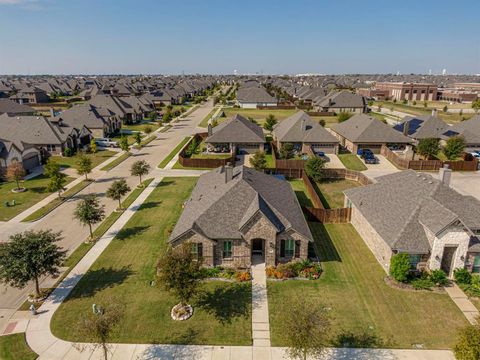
column 106, row 142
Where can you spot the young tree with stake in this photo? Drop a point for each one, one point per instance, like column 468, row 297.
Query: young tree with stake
column 89, row 212
column 117, row 190
column 16, row 172
column 84, row 165
column 140, row 168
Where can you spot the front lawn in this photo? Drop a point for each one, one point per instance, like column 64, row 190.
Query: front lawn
column 97, row 159
column 14, row 347
column 365, row 312
column 300, row 190
column 36, row 191
column 126, row 269
column 331, row 192
column 352, row 162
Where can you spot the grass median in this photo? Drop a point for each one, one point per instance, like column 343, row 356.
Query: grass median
column 173, row 153
column 14, row 347
column 117, row 161
column 44, row 210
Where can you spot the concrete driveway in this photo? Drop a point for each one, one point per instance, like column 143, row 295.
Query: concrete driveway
column 334, row 162
column 382, row 167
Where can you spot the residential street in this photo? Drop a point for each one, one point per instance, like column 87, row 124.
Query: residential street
column 61, row 219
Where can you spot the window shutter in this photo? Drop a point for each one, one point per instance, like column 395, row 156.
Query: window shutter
column 297, row 248
column 200, row 250
column 282, row 248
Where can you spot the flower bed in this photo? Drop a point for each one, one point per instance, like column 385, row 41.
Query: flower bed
column 226, row 274
column 418, row 284
column 297, row 269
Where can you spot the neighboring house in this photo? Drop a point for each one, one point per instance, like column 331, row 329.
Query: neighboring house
column 413, row 213
column 11, row 107
column 30, row 95
column 236, row 213
column 237, row 134
column 11, row 151
column 250, row 97
column 470, row 130
column 304, row 133
column 343, row 101
column 365, row 132
column 129, row 109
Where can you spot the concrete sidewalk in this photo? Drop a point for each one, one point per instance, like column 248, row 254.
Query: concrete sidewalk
column 463, row 303
column 260, row 319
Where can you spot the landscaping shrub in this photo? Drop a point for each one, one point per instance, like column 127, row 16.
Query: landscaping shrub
column 295, row 268
column 439, row 277
column 67, row 152
column 313, row 272
column 462, row 276
column 472, row 289
column 400, row 267
column 424, row 283
column 209, row 272
column 243, row 276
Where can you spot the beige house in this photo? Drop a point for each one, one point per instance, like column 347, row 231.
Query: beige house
column 409, row 212
column 236, row 213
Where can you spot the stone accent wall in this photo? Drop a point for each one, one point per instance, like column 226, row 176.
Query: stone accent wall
column 380, row 249
column 241, row 254
column 260, row 228
column 452, row 236
column 207, row 244
column 293, row 236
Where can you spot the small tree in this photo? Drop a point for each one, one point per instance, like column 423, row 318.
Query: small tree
column 123, row 143
column 306, row 327
column 322, row 122
column 468, row 343
column 425, row 104
column 140, row 168
column 93, row 146
column 147, row 129
column 178, row 271
column 138, row 138
column 344, row 116
column 286, row 151
column 16, row 172
column 117, row 190
column 29, row 256
column 89, row 212
column 270, row 122
column 258, row 160
column 314, row 168
column 57, row 178
column 428, row 147
column 445, row 108
column 400, row 266
column 454, row 147
column 476, row 105
column 84, row 165
column 96, row 328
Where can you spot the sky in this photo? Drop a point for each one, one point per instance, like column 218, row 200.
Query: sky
column 218, row 37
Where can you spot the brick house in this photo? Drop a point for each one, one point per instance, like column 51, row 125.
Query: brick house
column 409, row 212
column 236, row 213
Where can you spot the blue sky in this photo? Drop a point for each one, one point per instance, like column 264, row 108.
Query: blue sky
column 214, row 36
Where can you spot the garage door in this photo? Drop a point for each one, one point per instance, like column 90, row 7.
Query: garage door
column 327, row 149
column 247, row 148
column 374, row 147
column 31, row 162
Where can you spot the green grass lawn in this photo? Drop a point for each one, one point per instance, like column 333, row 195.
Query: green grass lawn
column 179, row 166
column 97, row 159
column 14, row 347
column 364, row 309
column 125, row 270
column 44, row 210
column 270, row 162
column 352, row 162
column 174, row 152
column 331, row 191
column 36, row 191
column 204, row 122
column 117, row 138
column 117, row 161
column 141, row 126
column 300, row 190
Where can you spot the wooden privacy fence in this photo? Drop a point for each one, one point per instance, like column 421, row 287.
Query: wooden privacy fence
column 336, row 216
column 311, row 192
column 286, row 164
column 428, row 165
column 201, row 163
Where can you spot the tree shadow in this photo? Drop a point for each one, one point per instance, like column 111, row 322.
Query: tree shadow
column 125, row 233
column 166, row 183
column 37, row 189
column 324, row 201
column 180, row 352
column 226, row 302
column 324, row 246
column 149, row 205
column 95, row 281
column 361, row 339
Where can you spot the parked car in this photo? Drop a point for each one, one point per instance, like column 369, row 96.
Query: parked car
column 106, row 142
column 475, row 153
column 370, row 159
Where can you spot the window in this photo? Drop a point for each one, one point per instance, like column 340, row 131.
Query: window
column 287, row 248
column 197, row 250
column 476, row 264
column 227, row 249
column 414, row 260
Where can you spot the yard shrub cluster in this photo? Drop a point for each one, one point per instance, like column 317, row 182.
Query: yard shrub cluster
column 224, row 273
column 400, row 267
column 303, row 268
column 467, row 282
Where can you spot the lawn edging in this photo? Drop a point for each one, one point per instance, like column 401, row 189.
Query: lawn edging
column 52, row 205
column 174, row 152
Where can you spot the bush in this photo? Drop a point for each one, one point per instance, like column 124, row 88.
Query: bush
column 468, row 343
column 462, row 276
column 439, row 277
column 243, row 276
column 400, row 267
column 68, row 152
column 210, row 272
column 344, row 116
column 422, row 283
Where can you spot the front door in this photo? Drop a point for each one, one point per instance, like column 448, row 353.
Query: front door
column 447, row 258
column 257, row 247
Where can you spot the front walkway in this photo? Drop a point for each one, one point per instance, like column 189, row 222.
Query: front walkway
column 463, row 303
column 260, row 320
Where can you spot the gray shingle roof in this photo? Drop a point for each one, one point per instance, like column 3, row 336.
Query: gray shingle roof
column 254, row 94
column 237, row 130
column 362, row 128
column 36, row 130
column 301, row 128
column 219, row 209
column 11, row 107
column 399, row 205
column 342, row 99
column 423, row 127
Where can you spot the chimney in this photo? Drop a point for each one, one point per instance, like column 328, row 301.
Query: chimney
column 209, row 129
column 434, row 112
column 445, row 174
column 228, row 172
column 406, row 127
column 330, row 102
column 52, row 113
